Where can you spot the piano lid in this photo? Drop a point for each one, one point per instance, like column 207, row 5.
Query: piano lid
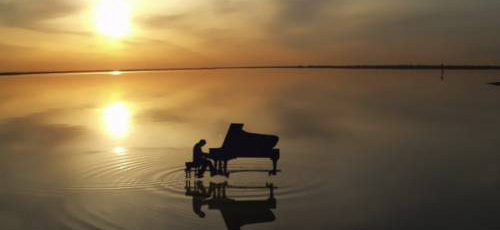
column 237, row 138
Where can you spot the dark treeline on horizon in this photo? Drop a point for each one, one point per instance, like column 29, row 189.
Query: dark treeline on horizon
column 372, row 67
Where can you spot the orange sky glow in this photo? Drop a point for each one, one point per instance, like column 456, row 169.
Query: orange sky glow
column 115, row 34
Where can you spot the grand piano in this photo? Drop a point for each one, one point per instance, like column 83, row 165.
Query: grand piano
column 241, row 144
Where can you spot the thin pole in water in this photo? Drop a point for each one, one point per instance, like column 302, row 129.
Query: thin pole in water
column 442, row 72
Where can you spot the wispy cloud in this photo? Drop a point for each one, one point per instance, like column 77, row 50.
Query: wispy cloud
column 161, row 21
column 33, row 14
column 248, row 32
column 162, row 115
column 13, row 47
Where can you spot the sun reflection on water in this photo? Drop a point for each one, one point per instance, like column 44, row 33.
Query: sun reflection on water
column 119, row 150
column 117, row 118
column 115, row 72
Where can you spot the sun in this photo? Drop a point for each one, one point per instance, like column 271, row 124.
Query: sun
column 113, row 18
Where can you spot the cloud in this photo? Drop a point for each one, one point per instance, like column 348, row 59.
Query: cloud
column 246, row 32
column 31, row 14
column 301, row 11
column 208, row 22
column 191, row 16
column 159, row 21
column 13, row 48
column 161, row 115
column 332, row 31
column 364, row 31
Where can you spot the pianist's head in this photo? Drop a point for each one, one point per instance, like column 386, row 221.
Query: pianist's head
column 202, row 142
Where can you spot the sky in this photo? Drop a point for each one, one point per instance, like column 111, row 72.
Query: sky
column 114, row 34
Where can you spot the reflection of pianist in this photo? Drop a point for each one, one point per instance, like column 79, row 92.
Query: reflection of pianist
column 200, row 158
column 200, row 197
column 236, row 213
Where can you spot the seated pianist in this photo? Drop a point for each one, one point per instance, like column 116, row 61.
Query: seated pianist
column 200, row 159
column 237, row 144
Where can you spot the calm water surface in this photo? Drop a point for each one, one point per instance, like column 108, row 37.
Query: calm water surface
column 359, row 150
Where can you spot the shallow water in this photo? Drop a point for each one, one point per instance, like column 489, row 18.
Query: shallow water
column 359, row 150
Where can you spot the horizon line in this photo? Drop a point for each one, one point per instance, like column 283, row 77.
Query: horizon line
column 361, row 66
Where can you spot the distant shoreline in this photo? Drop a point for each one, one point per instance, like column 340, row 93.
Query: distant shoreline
column 369, row 67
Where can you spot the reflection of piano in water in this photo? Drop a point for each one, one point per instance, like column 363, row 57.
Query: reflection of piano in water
column 239, row 143
column 236, row 213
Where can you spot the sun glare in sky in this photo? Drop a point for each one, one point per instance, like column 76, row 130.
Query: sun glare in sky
column 113, row 18
column 117, row 118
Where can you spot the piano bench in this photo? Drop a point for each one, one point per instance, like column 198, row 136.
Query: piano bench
column 190, row 166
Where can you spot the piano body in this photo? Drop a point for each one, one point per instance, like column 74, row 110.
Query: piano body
column 241, row 144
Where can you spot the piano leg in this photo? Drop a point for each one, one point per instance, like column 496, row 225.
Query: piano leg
column 224, row 190
column 220, row 169
column 275, row 162
column 271, row 190
column 225, row 168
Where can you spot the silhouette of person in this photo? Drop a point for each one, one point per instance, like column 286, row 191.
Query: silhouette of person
column 200, row 159
column 236, row 213
column 200, row 197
